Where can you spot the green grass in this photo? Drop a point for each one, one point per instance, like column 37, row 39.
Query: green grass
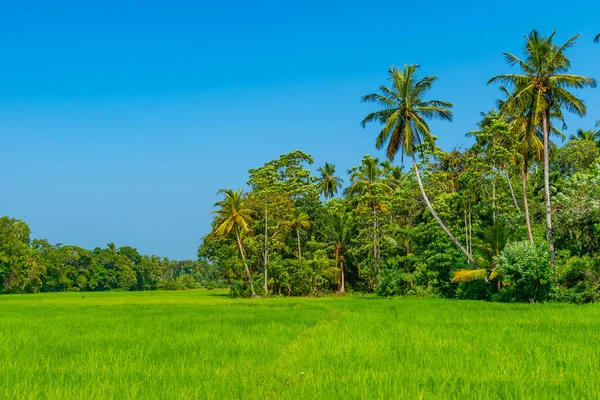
column 201, row 344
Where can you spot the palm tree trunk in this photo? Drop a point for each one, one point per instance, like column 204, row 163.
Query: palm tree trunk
column 524, row 169
column 241, row 248
column 266, row 254
column 299, row 247
column 512, row 192
column 546, row 123
column 494, row 196
column 432, row 211
column 376, row 241
column 470, row 233
column 343, row 287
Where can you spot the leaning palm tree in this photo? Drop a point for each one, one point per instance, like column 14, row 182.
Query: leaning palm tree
column 329, row 183
column 404, row 118
column 234, row 217
column 587, row 135
column 299, row 220
column 542, row 88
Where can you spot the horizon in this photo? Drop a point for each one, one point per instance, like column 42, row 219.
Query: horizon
column 116, row 121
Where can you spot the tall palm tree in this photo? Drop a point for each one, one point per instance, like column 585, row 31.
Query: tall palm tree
column 369, row 180
column 542, row 88
column 234, row 217
column 299, row 220
column 587, row 135
column 528, row 144
column 329, row 183
column 404, row 119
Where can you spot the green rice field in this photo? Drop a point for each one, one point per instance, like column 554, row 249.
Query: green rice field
column 204, row 345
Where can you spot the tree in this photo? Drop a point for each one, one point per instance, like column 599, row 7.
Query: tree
column 19, row 271
column 587, row 135
column 341, row 226
column 542, row 88
column 298, row 221
column 278, row 187
column 404, row 118
column 369, row 181
column 234, row 217
column 597, row 38
column 329, row 183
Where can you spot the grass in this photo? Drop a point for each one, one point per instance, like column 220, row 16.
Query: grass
column 201, row 344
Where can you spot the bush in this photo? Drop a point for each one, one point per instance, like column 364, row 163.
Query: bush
column 526, row 272
column 580, row 278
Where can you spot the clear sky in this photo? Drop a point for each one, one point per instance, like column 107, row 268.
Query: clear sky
column 119, row 121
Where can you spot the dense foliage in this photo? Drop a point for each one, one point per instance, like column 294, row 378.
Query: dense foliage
column 28, row 266
column 515, row 217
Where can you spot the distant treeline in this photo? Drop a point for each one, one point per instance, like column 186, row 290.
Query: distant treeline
column 28, row 266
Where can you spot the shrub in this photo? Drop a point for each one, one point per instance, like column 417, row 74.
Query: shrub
column 526, row 272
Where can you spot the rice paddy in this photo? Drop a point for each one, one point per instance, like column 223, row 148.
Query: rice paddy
column 203, row 345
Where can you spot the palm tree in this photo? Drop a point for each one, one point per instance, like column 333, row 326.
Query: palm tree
column 542, row 89
column 405, row 128
column 341, row 229
column 369, row 180
column 597, row 38
column 329, row 183
column 234, row 217
column 300, row 220
column 495, row 238
column 528, row 144
column 587, row 135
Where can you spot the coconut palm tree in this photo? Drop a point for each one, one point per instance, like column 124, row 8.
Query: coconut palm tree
column 369, row 180
column 587, row 135
column 542, row 88
column 234, row 217
column 341, row 225
column 299, row 220
column 404, row 118
column 329, row 183
column 528, row 144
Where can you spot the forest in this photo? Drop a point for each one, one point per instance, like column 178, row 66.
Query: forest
column 515, row 217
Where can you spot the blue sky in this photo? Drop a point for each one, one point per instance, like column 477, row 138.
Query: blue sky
column 120, row 120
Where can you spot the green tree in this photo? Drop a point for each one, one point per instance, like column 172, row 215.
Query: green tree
column 341, row 226
column 587, row 135
column 299, row 221
column 369, row 182
column 19, row 271
column 329, row 183
column 542, row 88
column 234, row 217
column 404, row 118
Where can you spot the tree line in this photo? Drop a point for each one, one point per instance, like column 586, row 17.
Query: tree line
column 514, row 217
column 28, row 266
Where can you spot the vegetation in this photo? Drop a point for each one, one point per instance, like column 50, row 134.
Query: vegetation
column 200, row 344
column 514, row 217
column 28, row 266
